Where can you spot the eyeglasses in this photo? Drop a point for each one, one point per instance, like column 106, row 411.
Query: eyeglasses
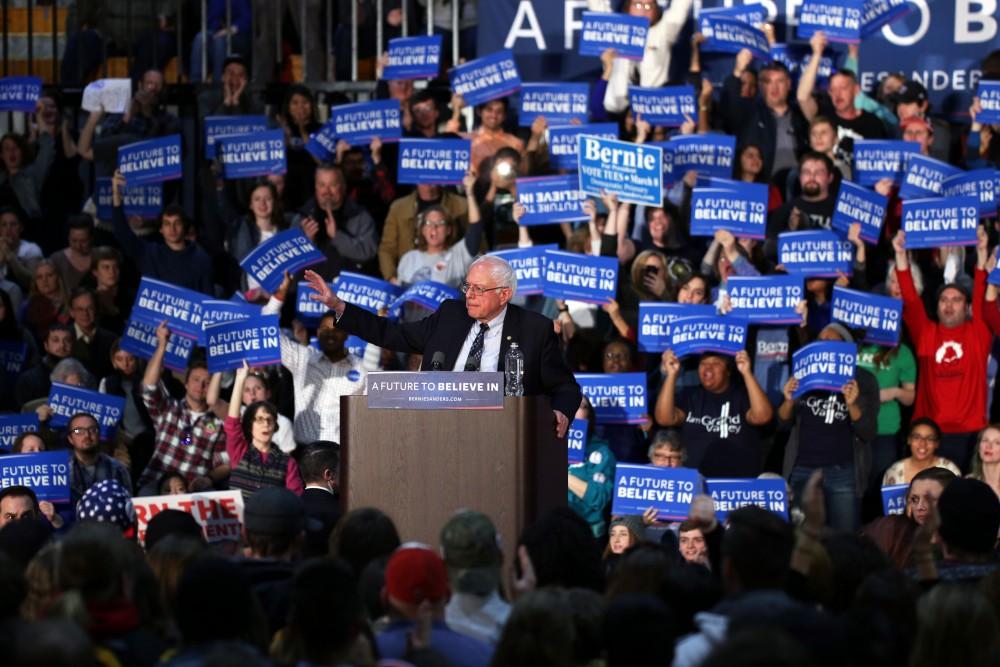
column 644, row 5
column 476, row 290
column 923, row 438
column 269, row 421
column 81, row 430
column 435, row 223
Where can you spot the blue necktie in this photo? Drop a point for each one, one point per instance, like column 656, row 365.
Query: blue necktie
column 476, row 351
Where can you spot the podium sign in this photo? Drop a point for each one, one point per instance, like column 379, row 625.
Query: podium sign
column 435, row 390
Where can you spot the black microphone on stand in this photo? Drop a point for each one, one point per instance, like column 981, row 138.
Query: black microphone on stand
column 437, row 361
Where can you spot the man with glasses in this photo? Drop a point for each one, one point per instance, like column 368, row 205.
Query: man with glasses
column 472, row 336
column 89, row 465
column 189, row 436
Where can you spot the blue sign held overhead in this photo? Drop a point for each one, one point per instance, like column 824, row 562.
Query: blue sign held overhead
column 252, row 155
column 796, row 57
column 486, row 78
column 925, row 176
column 633, row 172
column 748, row 14
column 694, row 335
column 151, row 161
column 217, row 311
column 725, row 35
column 322, row 143
column 988, row 93
column 551, row 199
column 20, row 93
column 13, row 355
column 45, row 473
column 655, row 318
column 308, row 310
column 861, row 205
column 366, row 292
column 875, row 160
column 558, row 103
column 427, row 294
column 256, row 340
column 157, row 301
column 229, row 126
column 563, row 142
column 618, row 398
column 894, row 499
column 359, row 123
column 669, row 106
column 815, row 253
column 66, row 401
column 765, row 299
column 289, row 251
column 839, row 20
column 708, row 154
column 881, row 317
column 979, row 183
column 572, row 276
column 625, row 34
column 140, row 340
column 826, row 365
column 729, row 495
column 934, row 222
column 413, row 58
column 529, row 265
column 576, row 441
column 879, row 13
column 433, row 161
column 669, row 490
column 11, row 426
column 740, row 208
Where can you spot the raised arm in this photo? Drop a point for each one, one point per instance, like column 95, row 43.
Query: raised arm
column 761, row 411
column 154, row 369
column 474, row 233
column 85, row 147
column 666, row 412
column 807, row 80
column 133, row 246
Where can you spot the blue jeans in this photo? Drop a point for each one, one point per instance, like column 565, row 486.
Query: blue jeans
column 842, row 504
column 240, row 45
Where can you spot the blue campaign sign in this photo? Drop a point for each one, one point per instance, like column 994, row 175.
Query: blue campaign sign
column 669, row 490
column 934, row 221
column 979, row 183
column 765, row 299
column 988, row 93
column 433, row 161
column 631, row 171
column 881, row 317
column 716, row 333
column 839, row 20
column 256, row 340
column 427, row 294
column 726, row 35
column 529, row 265
column 322, row 143
column 655, row 318
column 230, row 126
column 740, row 208
column 486, row 78
column 570, row 275
column 728, row 495
column 358, row 124
column 151, row 161
column 66, row 401
column 563, row 142
column 618, row 398
column 14, row 425
column 252, row 155
column 669, row 106
column 878, row 159
column 925, row 176
column 748, row 14
column 796, row 57
column 625, row 34
column 216, row 311
column 558, row 103
column 354, row 346
column 825, row 365
column 139, row 339
column 45, row 473
column 145, row 201
column 308, row 310
column 894, row 499
column 13, row 355
column 879, row 13
column 708, row 154
column 858, row 204
column 413, row 58
column 157, row 301
column 366, row 292
column 289, row 251
column 816, row 253
column 20, row 93
column 550, row 199
column 576, row 441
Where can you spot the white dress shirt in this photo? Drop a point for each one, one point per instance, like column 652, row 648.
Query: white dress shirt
column 491, row 345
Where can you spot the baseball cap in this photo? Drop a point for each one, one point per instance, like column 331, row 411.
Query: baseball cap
column 910, row 92
column 275, row 511
column 471, row 552
column 416, row 573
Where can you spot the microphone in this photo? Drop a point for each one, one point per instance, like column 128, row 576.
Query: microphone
column 437, row 361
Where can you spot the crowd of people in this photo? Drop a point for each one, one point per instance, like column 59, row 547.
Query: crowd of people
column 838, row 582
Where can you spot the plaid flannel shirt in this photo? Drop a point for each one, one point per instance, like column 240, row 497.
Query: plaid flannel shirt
column 190, row 446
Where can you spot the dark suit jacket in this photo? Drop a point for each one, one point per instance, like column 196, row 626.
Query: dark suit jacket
column 545, row 372
column 324, row 507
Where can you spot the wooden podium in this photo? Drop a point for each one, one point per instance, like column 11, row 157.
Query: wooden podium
column 420, row 466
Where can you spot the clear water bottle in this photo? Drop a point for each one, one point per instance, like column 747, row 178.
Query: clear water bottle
column 514, row 371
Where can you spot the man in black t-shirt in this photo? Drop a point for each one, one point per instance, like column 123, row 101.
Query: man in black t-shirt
column 719, row 418
column 813, row 209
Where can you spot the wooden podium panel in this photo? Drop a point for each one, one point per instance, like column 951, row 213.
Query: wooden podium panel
column 420, row 466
